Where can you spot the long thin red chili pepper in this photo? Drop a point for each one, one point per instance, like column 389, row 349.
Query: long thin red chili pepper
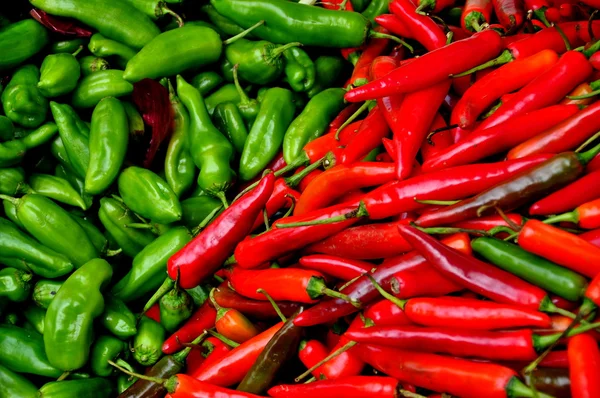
column 215, row 350
column 282, row 197
column 347, row 363
column 202, row 319
column 374, row 48
column 439, row 141
column 338, row 267
column 263, row 310
column 368, row 137
column 423, row 28
column 386, row 313
column 312, row 352
column 184, row 386
column 347, row 387
column 395, row 25
column 586, row 215
column 409, row 283
column 584, row 362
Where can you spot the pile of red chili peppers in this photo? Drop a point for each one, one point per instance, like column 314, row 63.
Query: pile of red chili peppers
column 464, row 261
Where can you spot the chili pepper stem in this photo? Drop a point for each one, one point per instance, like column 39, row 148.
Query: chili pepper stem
column 507, row 220
column 172, row 13
column 224, row 339
column 518, row 389
column 360, row 211
column 544, row 342
column 501, row 228
column 328, row 358
column 139, row 376
column 502, row 59
column 588, row 142
column 206, row 221
column 400, row 303
column 279, row 50
column 592, row 49
column 352, row 117
column 274, row 304
column 590, row 154
column 408, row 394
column 565, row 217
column 448, row 230
column 584, row 96
column 12, row 200
column 244, row 99
column 139, row 225
column 112, row 253
column 243, row 34
column 181, row 355
column 221, row 196
column 379, row 35
column 294, row 180
column 63, row 376
column 162, row 290
column 79, row 49
column 437, row 202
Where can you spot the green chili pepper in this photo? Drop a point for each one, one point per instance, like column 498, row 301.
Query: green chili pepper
column 70, row 318
column 105, row 83
column 76, row 182
column 175, row 308
column 359, row 5
column 100, row 46
column 108, row 145
column 20, row 41
column 59, row 75
column 97, row 387
column 328, row 70
column 248, row 107
column 15, row 284
column 205, row 82
column 174, row 52
column 265, row 138
column 299, row 69
column 40, row 136
column 56, row 188
column 537, row 270
column 226, row 93
column 35, row 316
column 224, row 24
column 12, row 181
column 199, row 294
column 312, row 122
column 148, row 195
column 147, row 344
column 118, row 318
column 149, row 265
column 196, row 209
column 7, row 129
column 115, row 217
column 375, row 9
column 11, row 152
column 44, row 292
column 116, row 20
column 93, row 233
column 14, row 385
column 53, row 226
column 90, row 64
column 74, row 135
column 211, row 151
column 22, row 351
column 22, row 101
column 67, row 46
column 105, row 348
column 228, row 119
column 180, row 169
column 155, row 9
column 135, row 120
column 287, row 22
column 125, row 381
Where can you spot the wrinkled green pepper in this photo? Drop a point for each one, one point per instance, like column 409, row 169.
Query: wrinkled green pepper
column 15, row 284
column 22, row 101
column 226, row 93
column 147, row 344
column 299, row 69
column 12, row 181
column 59, row 75
column 224, row 24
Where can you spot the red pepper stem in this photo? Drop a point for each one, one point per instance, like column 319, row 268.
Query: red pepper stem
column 243, row 34
column 590, row 154
column 224, row 339
column 328, row 358
column 437, row 202
column 502, row 59
column 156, row 380
column 274, row 304
column 236, row 80
column 360, row 211
column 400, row 303
column 317, row 288
column 352, row 118
column 571, row 216
column 378, row 35
column 166, row 286
column 279, row 50
column 206, row 221
column 295, row 180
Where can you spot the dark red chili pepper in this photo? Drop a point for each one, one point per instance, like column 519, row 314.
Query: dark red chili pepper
column 439, row 141
column 375, row 47
column 310, row 353
column 337, row 5
column 154, row 314
column 422, row 28
column 363, row 290
column 386, row 313
column 263, row 310
column 211, row 247
column 506, row 79
column 338, row 267
column 449, row 60
column 368, row 137
column 202, row 319
column 394, row 25
column 482, row 278
column 475, row 14
column 555, row 359
column 501, row 137
column 434, row 6
column 58, row 25
column 347, row 387
column 584, row 361
column 510, row 13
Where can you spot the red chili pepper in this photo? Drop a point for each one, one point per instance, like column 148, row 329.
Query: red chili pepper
column 460, row 377
column 434, row 6
column 202, row 319
column 475, row 14
column 394, row 25
column 347, row 363
column 595, row 60
column 510, row 13
column 363, row 290
column 338, row 267
column 545, row 39
column 184, row 386
column 368, row 137
column 226, row 297
column 409, row 283
column 214, row 349
column 232, row 368
column 567, row 135
column 555, row 359
column 232, row 324
column 310, row 353
column 506, row 79
column 375, row 47
column 561, row 247
column 482, row 278
column 386, row 313
column 501, row 137
column 194, row 360
column 533, row 5
column 308, row 179
column 582, row 89
column 341, row 118
column 154, row 313
column 449, row 60
column 592, row 237
column 422, row 28
column 347, row 387
column 584, row 362
column 364, row 242
column 439, row 141
column 489, row 222
column 337, row 5
column 586, row 215
column 563, row 303
column 211, row 247
column 335, row 182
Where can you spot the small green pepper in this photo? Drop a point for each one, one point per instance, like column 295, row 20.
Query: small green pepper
column 93, row 233
column 248, row 107
column 20, row 41
column 115, row 217
column 105, row 348
column 66, row 46
column 196, row 209
column 7, row 129
column 35, row 316
column 265, row 138
column 299, row 69
column 328, row 70
column 15, row 284
column 90, row 64
column 211, row 151
column 22, row 101
column 118, row 318
column 100, row 46
column 97, row 387
column 15, row 385
column 23, row 351
column 105, row 83
column 148, row 195
column 12, row 181
column 175, row 308
column 205, row 82
column 56, row 188
column 40, row 136
column 226, row 93
column 44, row 292
column 69, row 323
column 108, row 145
column 228, row 119
column 65, row 172
column 74, row 135
column 147, row 344
column 59, row 75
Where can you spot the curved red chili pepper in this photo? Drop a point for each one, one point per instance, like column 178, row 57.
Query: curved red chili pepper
column 227, row 298
column 439, row 141
column 395, row 25
column 449, row 60
column 188, row 387
column 386, row 313
column 338, row 267
column 202, row 319
column 282, row 197
column 344, row 114
column 592, row 237
column 210, row 248
column 489, row 222
column 476, row 13
column 409, row 283
column 506, row 79
column 307, row 180
column 154, row 313
column 501, row 137
column 510, row 13
column 347, row 363
column 368, row 137
column 310, row 353
column 584, row 361
column 214, row 349
column 546, row 39
column 422, row 28
column 347, row 387
column 374, row 48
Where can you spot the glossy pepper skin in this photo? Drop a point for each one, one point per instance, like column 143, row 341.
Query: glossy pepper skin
column 56, row 188
column 290, row 22
column 173, row 52
column 348, row 387
column 101, row 46
column 13, row 384
column 59, row 74
column 22, row 100
column 148, row 195
column 23, row 351
column 230, row 122
column 78, row 302
column 90, row 64
column 575, row 194
column 203, row 318
column 96, row 387
column 74, row 136
column 267, row 133
column 148, row 341
column 211, row 151
column 112, row 19
column 584, row 359
column 117, row 318
column 299, row 69
column 105, row 348
column 20, row 41
column 104, row 83
column 175, row 307
column 15, row 284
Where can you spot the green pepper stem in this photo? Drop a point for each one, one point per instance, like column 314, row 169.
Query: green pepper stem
column 244, row 99
column 79, row 49
column 295, row 180
column 211, row 297
column 167, row 10
column 502, row 59
column 63, row 376
column 588, row 155
column 543, row 342
column 139, row 376
column 206, row 221
column 274, row 304
column 181, row 355
column 12, row 200
column 450, row 230
column 279, row 50
column 352, row 117
column 360, row 211
column 112, row 253
column 584, row 96
column 571, row 216
column 437, row 202
column 516, row 388
column 400, row 303
column 221, row 196
column 224, row 339
column 408, row 394
column 592, row 49
column 162, row 290
column 301, row 160
column 328, row 358
column 243, row 34
column 139, row 225
column 475, row 26
column 378, row 35
column 587, row 142
column 500, row 228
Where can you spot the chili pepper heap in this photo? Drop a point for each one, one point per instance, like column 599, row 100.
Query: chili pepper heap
column 341, row 199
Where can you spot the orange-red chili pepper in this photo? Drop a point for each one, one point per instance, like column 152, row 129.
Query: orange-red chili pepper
column 232, row 324
column 584, row 362
column 475, row 14
column 385, row 313
column 368, row 137
column 202, row 319
column 586, row 215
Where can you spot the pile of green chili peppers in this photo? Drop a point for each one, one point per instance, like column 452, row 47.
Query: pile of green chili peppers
column 87, row 229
